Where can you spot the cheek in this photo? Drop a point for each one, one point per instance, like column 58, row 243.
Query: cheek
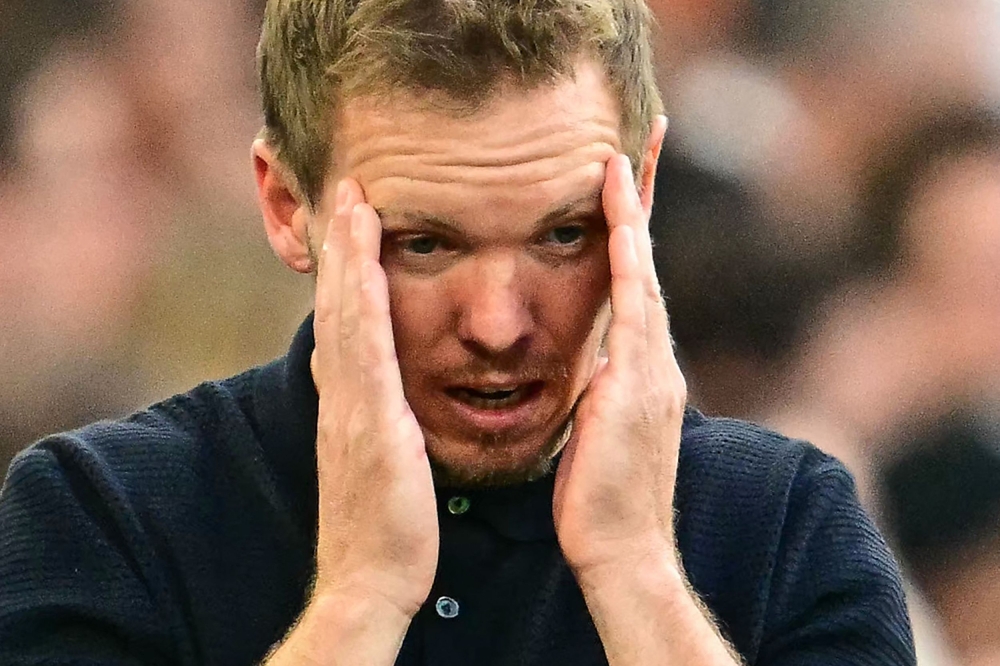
column 419, row 316
column 571, row 304
column 568, row 305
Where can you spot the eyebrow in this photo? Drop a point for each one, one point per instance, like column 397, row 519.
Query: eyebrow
column 587, row 204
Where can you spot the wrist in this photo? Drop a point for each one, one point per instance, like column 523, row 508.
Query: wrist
column 646, row 611
column 343, row 628
column 658, row 560
column 358, row 606
column 636, row 575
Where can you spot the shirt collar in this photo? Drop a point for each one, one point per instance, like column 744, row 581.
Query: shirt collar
column 521, row 512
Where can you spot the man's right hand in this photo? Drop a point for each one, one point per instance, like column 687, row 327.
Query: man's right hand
column 377, row 543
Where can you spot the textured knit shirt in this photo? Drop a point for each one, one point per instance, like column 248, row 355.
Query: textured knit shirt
column 185, row 533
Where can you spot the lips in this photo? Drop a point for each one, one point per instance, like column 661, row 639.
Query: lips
column 494, row 397
column 496, row 407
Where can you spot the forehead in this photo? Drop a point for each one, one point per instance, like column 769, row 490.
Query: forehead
column 539, row 145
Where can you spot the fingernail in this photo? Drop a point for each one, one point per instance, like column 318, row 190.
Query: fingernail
column 341, row 200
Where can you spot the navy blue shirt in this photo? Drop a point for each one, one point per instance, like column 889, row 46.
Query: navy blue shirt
column 184, row 534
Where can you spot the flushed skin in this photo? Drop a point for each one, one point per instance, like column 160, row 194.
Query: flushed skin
column 514, row 242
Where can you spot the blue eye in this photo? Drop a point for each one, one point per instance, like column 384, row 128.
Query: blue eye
column 422, row 244
column 566, row 235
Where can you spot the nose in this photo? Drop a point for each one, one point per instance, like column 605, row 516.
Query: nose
column 494, row 315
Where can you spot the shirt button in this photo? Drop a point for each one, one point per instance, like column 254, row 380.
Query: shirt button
column 458, row 505
column 446, row 607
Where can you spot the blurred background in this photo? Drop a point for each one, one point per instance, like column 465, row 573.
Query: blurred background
column 827, row 233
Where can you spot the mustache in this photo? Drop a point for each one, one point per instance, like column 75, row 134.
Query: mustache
column 470, row 377
column 519, row 371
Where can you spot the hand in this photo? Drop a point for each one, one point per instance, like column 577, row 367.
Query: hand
column 613, row 504
column 378, row 530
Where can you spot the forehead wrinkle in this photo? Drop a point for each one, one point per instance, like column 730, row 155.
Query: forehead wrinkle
column 414, row 169
column 520, row 138
column 481, row 148
column 525, row 137
column 454, row 201
column 488, row 140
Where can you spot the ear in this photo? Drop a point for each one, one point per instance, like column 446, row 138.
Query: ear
column 650, row 158
column 286, row 215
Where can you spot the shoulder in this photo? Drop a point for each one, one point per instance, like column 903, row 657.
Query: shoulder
column 153, row 453
column 205, row 413
column 771, row 530
column 727, row 456
column 147, row 522
column 739, row 482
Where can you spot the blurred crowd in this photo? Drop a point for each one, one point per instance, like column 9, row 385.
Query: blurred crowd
column 134, row 263
column 828, row 239
column 827, row 232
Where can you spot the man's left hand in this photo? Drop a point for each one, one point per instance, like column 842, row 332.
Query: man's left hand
column 614, row 496
column 613, row 503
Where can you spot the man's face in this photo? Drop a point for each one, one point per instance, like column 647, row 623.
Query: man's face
column 495, row 250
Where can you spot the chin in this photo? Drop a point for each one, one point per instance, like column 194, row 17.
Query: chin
column 491, row 462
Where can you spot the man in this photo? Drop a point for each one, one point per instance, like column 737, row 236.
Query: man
column 477, row 450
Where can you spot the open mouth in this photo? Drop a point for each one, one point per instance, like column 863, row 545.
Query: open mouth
column 494, row 397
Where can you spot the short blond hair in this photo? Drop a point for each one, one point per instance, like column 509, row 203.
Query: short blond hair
column 314, row 54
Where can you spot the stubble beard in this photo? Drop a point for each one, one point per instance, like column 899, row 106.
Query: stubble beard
column 491, row 473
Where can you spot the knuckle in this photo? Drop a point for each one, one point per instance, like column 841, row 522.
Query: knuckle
column 677, row 395
column 348, row 332
column 402, row 425
column 635, row 323
column 632, row 314
column 682, row 390
column 323, row 307
column 369, row 359
column 669, row 391
column 653, row 291
column 359, row 425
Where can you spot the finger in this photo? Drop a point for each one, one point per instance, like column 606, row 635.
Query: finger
column 368, row 233
column 627, row 333
column 621, row 203
column 660, row 343
column 379, row 364
column 623, row 206
column 330, row 271
column 657, row 130
column 350, row 292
